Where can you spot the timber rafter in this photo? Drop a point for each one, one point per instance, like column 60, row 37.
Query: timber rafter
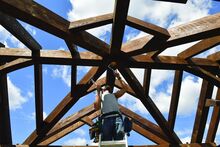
column 142, row 53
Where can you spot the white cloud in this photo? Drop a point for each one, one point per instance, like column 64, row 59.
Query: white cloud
column 173, row 51
column 44, row 115
column 16, row 99
column 160, row 92
column 82, row 9
column 218, row 131
column 100, row 32
column 83, row 69
column 3, row 34
column 169, row 14
column 189, row 94
column 16, row 42
column 45, row 70
column 199, row 8
column 157, row 78
column 161, row 99
column 133, row 104
column 63, row 72
column 143, row 9
column 30, row 29
column 186, row 139
column 80, row 132
column 208, row 52
column 184, row 132
column 6, row 37
column 30, row 94
column 214, row 94
column 75, row 141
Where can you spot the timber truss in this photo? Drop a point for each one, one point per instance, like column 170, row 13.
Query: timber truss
column 140, row 53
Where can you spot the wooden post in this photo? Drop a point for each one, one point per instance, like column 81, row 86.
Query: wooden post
column 5, row 125
column 202, row 112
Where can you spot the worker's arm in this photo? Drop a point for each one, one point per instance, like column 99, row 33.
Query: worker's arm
column 98, row 98
column 122, row 91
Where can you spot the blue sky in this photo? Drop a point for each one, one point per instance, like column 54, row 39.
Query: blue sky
column 57, row 78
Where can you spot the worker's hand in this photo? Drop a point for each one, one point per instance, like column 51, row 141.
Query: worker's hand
column 98, row 87
column 117, row 74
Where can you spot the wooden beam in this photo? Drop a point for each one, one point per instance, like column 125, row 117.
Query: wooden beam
column 203, row 28
column 211, row 102
column 147, row 134
column 65, row 123
column 87, row 121
column 90, row 43
column 72, row 47
column 110, row 79
column 118, row 26
column 155, row 132
column 2, row 45
column 150, row 47
column 205, row 75
column 169, row 61
column 14, row 27
column 214, row 122
column 38, row 81
column 73, row 78
column 135, row 44
column 15, row 65
column 202, row 112
column 175, row 98
column 92, row 22
column 127, row 88
column 86, row 41
column 90, row 59
column 147, row 27
column 27, row 39
column 65, row 104
column 214, row 56
column 100, row 81
column 5, row 124
column 52, row 137
column 149, row 104
column 200, row 47
column 17, row 30
column 174, row 1
column 146, row 82
column 53, row 57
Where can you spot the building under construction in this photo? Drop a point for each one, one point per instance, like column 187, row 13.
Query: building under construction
column 143, row 53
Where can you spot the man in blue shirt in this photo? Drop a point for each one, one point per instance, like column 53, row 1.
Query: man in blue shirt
column 111, row 116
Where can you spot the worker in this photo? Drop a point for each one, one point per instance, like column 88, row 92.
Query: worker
column 110, row 115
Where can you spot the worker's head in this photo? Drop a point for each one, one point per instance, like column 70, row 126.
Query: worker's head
column 106, row 87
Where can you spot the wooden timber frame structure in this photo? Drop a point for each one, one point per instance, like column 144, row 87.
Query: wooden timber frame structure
column 140, row 53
